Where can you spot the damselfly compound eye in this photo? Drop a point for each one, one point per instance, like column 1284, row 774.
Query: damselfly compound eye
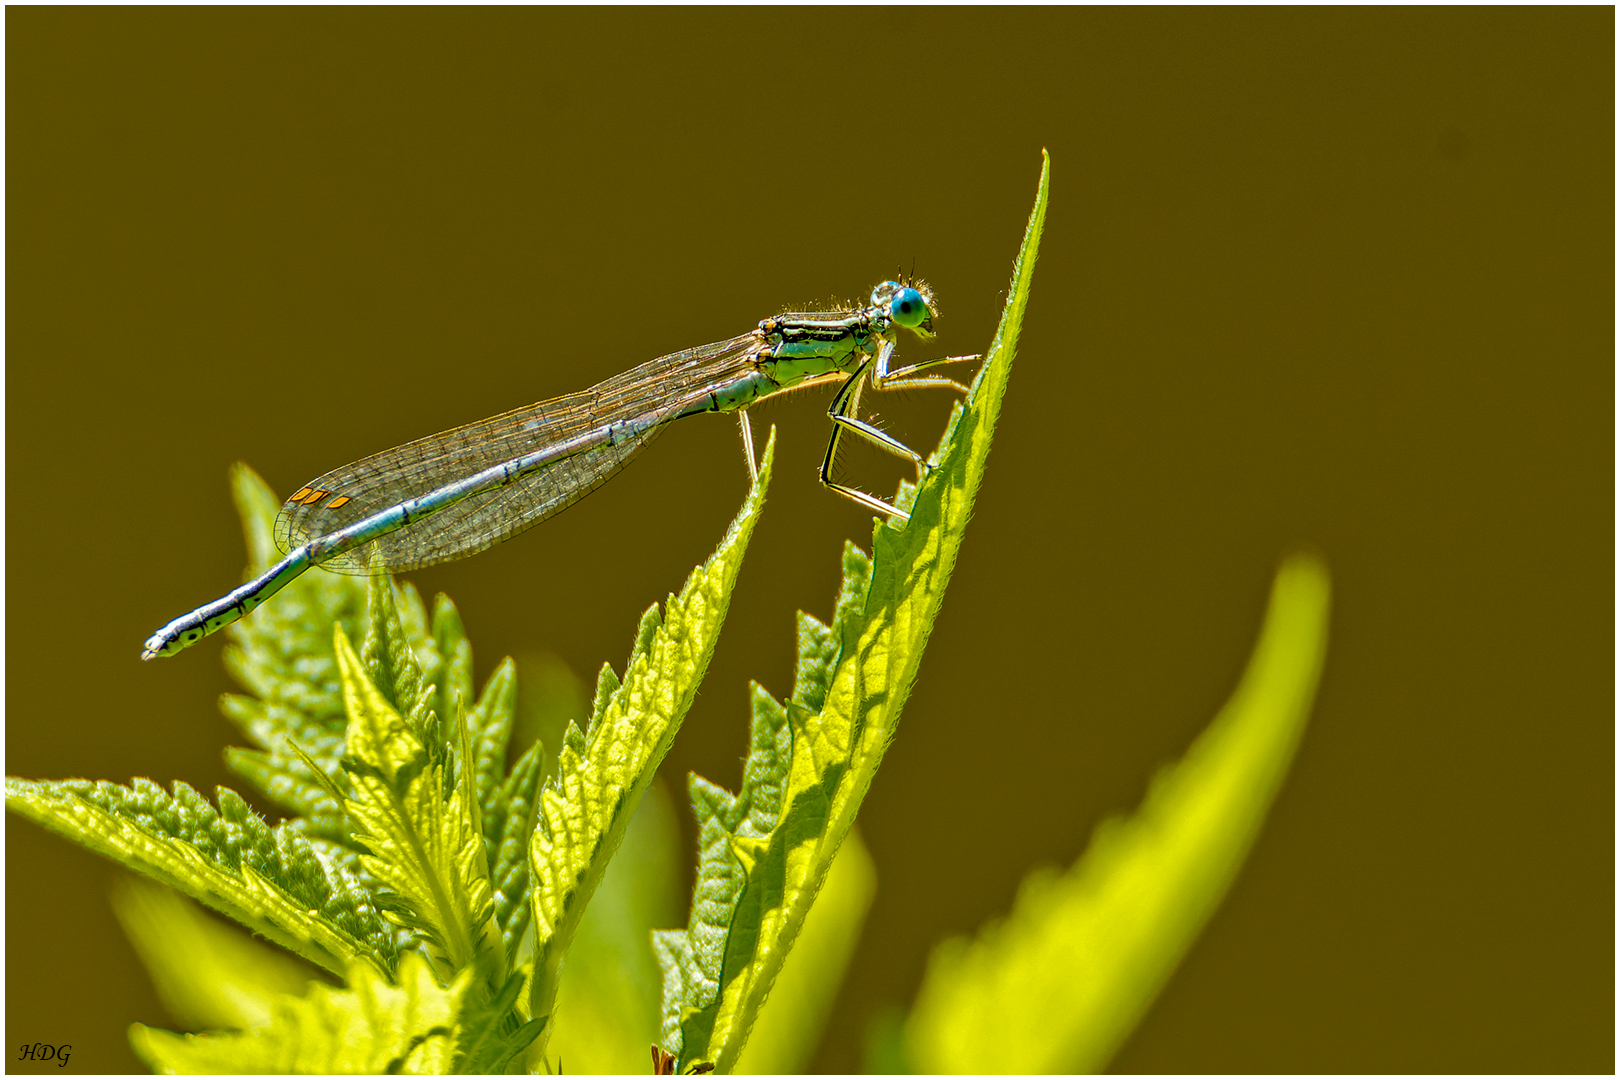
column 881, row 294
column 907, row 308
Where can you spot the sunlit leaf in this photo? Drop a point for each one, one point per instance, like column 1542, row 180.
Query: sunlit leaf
column 305, row 896
column 789, row 1025
column 420, row 828
column 765, row 853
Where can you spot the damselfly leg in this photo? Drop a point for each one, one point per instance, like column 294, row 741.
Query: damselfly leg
column 845, row 409
column 748, row 445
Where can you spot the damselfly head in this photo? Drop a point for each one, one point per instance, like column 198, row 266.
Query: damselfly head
column 908, row 303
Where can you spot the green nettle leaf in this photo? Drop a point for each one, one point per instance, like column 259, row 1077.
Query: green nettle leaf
column 490, row 1035
column 303, row 894
column 370, row 1027
column 512, row 811
column 283, row 655
column 1059, row 984
column 764, row 854
column 603, row 771
column 789, row 1025
column 390, row 662
column 410, row 828
column 734, row 831
column 419, row 826
column 294, row 712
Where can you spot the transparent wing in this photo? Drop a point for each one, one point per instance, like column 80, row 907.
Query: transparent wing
column 652, row 395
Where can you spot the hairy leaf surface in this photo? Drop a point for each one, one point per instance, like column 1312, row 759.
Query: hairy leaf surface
column 419, row 824
column 304, row 895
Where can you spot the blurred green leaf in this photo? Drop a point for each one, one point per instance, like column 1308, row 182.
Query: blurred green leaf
column 371, row 1027
column 549, row 696
column 1059, row 984
column 607, row 1006
column 207, row 974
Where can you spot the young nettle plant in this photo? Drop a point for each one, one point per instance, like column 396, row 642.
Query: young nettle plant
column 446, row 890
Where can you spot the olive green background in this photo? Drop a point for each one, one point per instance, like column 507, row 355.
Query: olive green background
column 1327, row 278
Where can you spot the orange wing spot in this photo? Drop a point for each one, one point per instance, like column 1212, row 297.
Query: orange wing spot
column 299, row 497
column 315, row 497
column 337, row 502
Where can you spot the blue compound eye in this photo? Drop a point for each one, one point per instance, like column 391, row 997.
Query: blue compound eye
column 907, row 308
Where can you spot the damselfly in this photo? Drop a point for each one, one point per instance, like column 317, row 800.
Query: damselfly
column 464, row 490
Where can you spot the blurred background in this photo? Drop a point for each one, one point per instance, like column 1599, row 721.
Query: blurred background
column 1327, row 278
